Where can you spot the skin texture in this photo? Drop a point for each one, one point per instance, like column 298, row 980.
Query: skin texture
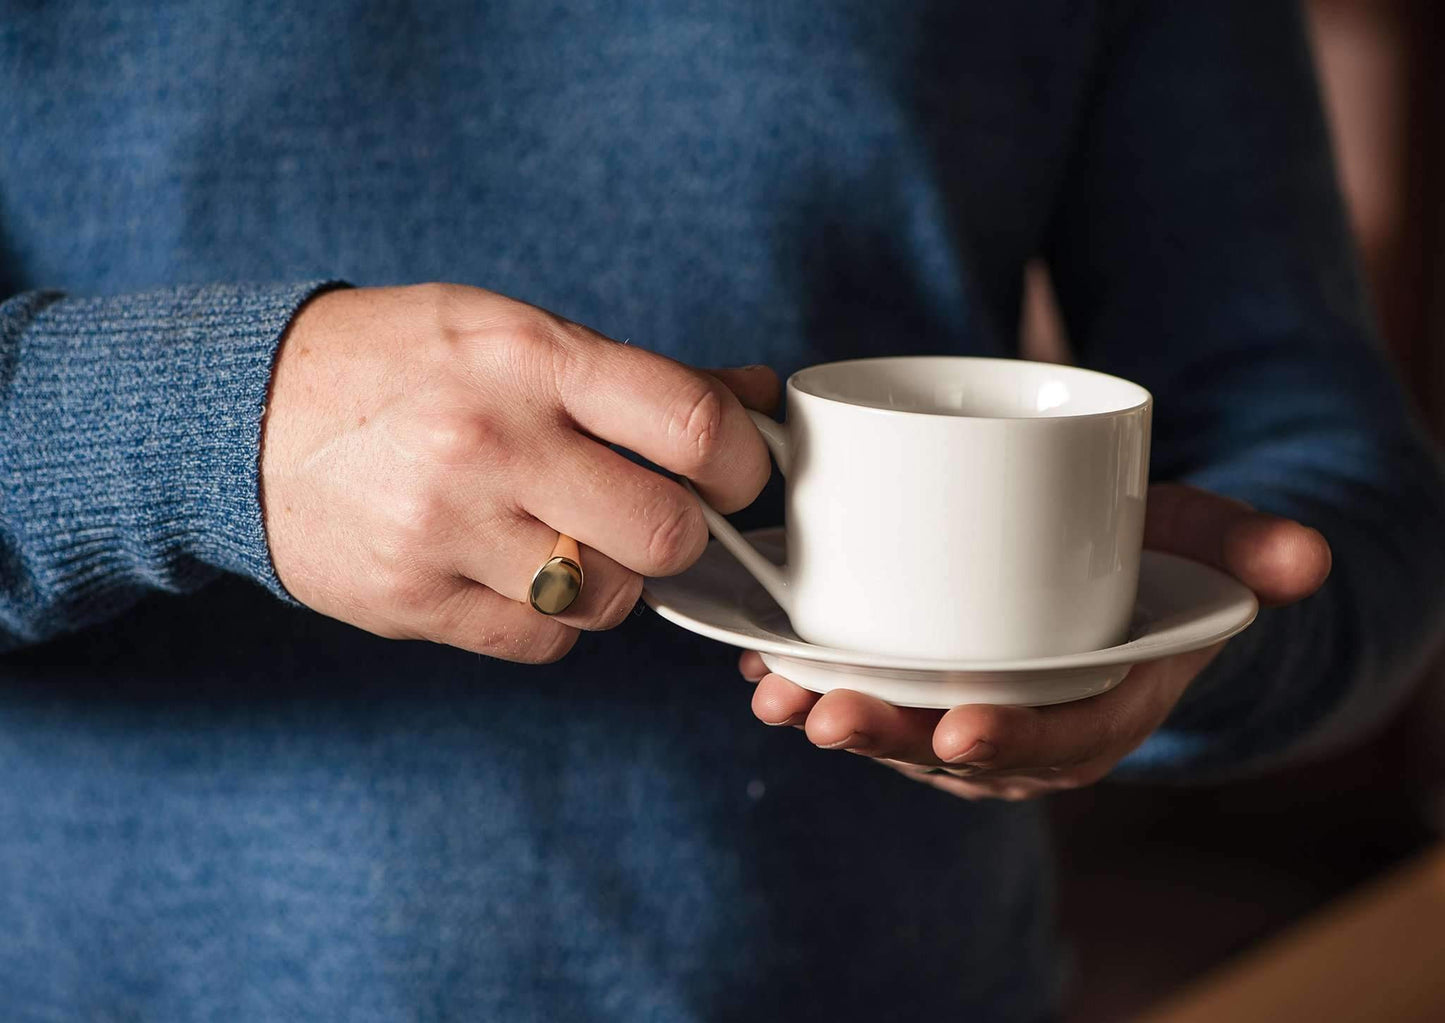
column 424, row 445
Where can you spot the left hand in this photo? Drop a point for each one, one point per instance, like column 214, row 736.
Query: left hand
column 980, row 751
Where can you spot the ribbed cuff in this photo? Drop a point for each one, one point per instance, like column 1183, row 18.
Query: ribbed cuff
column 133, row 456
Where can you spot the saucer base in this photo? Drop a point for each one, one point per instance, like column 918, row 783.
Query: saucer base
column 1182, row 606
column 940, row 690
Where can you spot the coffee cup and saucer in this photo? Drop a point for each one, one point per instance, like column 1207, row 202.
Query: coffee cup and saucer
column 957, row 530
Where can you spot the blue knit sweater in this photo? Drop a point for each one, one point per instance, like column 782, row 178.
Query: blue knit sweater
column 217, row 805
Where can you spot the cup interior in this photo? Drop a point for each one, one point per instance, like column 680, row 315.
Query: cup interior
column 969, row 387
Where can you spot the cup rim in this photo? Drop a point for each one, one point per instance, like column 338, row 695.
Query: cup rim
column 795, row 384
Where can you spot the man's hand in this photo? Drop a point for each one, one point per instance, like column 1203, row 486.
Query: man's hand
column 423, row 447
column 1023, row 752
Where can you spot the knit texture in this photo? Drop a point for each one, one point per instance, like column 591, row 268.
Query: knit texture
column 132, row 459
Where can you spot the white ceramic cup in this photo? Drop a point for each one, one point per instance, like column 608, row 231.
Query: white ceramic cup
column 957, row 508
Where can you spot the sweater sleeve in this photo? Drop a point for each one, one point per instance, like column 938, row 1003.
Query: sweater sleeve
column 129, row 440
column 1200, row 248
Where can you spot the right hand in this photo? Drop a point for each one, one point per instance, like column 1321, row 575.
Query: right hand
column 423, row 446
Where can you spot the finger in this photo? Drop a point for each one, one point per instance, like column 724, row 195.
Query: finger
column 751, row 665
column 680, row 418
column 637, row 517
column 508, row 562
column 845, row 719
column 776, row 701
column 609, row 594
column 757, row 387
column 1105, row 726
column 1280, row 559
column 478, row 619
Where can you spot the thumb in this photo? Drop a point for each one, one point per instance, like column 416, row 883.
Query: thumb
column 1280, row 559
column 757, row 387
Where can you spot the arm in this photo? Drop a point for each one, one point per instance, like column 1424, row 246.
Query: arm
column 421, row 449
column 1200, row 248
column 128, row 448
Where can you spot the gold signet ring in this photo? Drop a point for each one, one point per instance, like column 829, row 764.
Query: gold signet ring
column 559, row 580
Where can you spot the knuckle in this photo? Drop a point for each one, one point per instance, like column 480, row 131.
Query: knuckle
column 437, row 293
column 677, row 536
column 418, row 516
column 696, row 426
column 442, row 306
column 534, row 346
column 538, row 354
column 534, row 333
column 457, row 438
column 440, row 298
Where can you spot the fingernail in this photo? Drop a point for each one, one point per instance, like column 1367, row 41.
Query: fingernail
column 795, row 721
column 980, row 752
column 854, row 742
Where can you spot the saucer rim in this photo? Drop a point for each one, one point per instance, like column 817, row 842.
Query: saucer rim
column 1129, row 652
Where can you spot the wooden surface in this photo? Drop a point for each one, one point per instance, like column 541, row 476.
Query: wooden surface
column 1377, row 955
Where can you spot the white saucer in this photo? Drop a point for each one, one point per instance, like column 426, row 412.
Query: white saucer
column 1182, row 606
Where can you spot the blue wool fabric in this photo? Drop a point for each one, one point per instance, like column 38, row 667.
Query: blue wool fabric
column 218, row 805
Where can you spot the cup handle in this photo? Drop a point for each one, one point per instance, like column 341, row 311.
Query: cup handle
column 773, row 577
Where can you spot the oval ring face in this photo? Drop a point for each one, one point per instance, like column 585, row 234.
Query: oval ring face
column 556, row 585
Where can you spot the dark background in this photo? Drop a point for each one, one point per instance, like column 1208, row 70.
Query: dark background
column 1158, row 885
